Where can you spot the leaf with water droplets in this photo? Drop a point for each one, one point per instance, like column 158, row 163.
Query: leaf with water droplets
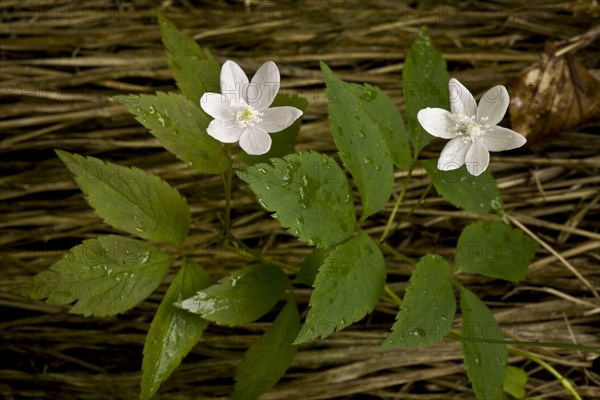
column 131, row 199
column 428, row 308
column 180, row 125
column 369, row 134
column 195, row 70
column 494, row 249
column 485, row 362
column 310, row 266
column 103, row 276
column 348, row 286
column 425, row 84
column 284, row 142
column 239, row 298
column 267, row 359
column 173, row 332
column 310, row 195
column 479, row 194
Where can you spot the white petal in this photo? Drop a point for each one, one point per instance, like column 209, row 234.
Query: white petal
column 278, row 118
column 453, row 155
column 264, row 86
column 234, row 81
column 255, row 141
column 437, row 122
column 493, row 105
column 461, row 100
column 216, row 105
column 224, row 131
column 500, row 139
column 478, row 158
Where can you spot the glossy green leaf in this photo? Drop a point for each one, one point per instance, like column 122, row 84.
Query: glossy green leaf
column 348, row 286
column 179, row 125
column 514, row 383
column 310, row 266
column 479, row 194
column 239, row 298
column 428, row 308
column 173, row 332
column 194, row 69
column 494, row 249
column 309, row 194
column 103, row 276
column 267, row 359
column 284, row 142
column 360, row 131
column 425, row 84
column 485, row 362
column 131, row 199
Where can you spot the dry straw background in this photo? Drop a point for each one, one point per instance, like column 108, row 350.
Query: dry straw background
column 62, row 60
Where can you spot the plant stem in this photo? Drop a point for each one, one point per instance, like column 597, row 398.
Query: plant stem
column 388, row 227
column 564, row 381
column 386, row 247
column 250, row 255
column 455, row 335
column 397, row 300
column 226, row 177
column 417, row 204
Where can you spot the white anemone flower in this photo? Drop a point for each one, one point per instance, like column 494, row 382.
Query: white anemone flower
column 471, row 128
column 241, row 111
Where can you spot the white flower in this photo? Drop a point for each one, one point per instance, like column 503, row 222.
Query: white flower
column 471, row 128
column 241, row 112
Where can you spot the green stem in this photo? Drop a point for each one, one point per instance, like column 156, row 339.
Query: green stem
column 417, row 204
column 388, row 227
column 387, row 248
column 564, row 381
column 226, row 177
column 397, row 300
column 250, row 255
column 455, row 335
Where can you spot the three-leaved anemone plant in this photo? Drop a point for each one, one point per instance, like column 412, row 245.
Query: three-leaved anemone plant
column 241, row 111
column 471, row 128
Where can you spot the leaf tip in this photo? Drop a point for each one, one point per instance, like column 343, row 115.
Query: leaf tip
column 305, row 335
column 159, row 15
column 62, row 154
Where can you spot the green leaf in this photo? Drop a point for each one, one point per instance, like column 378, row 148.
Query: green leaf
column 362, row 134
column 105, row 276
column 179, row 125
column 310, row 266
column 284, row 142
column 485, row 362
column 309, row 194
column 425, row 84
column 479, row 194
column 428, row 308
column 240, row 298
column 514, row 383
column 494, row 249
column 173, row 332
column 131, row 199
column 382, row 111
column 194, row 69
column 267, row 360
column 348, row 286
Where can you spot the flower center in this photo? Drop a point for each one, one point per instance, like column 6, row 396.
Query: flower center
column 468, row 127
column 474, row 130
column 247, row 115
